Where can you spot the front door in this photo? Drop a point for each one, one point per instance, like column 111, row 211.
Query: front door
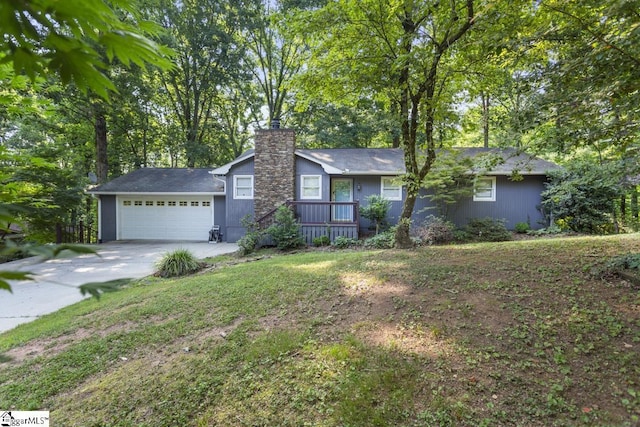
column 342, row 191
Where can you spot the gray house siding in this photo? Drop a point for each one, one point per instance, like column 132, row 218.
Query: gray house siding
column 516, row 201
column 311, row 213
column 371, row 185
column 109, row 221
column 220, row 214
column 237, row 209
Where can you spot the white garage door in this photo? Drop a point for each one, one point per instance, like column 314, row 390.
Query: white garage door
column 164, row 218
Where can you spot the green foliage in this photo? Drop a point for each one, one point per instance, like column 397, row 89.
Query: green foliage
column 44, row 193
column 435, row 230
column 551, row 230
column 71, row 38
column 342, row 242
column 629, row 261
column 522, row 227
column 96, row 289
column 321, row 241
column 285, row 232
column 484, row 230
column 384, row 240
column 252, row 238
column 376, row 210
column 450, row 180
column 580, row 197
column 178, row 263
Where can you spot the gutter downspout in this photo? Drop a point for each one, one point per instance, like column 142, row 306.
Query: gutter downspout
column 213, row 198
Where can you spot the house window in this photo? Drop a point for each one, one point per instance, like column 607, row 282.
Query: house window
column 137, row 203
column 126, row 203
column 243, row 187
column 390, row 188
column 311, row 187
column 171, row 203
column 207, row 203
column 485, row 189
column 148, row 203
column 160, row 203
column 183, row 203
column 195, row 204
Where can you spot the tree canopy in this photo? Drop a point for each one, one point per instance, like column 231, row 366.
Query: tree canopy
column 194, row 79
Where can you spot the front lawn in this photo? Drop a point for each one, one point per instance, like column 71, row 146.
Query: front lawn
column 516, row 333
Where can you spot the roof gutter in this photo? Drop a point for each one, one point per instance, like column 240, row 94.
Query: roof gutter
column 147, row 193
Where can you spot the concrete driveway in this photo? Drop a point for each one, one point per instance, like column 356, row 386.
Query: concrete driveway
column 56, row 281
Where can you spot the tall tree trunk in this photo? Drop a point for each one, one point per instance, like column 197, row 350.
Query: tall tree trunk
column 485, row 118
column 411, row 102
column 100, row 128
column 634, row 204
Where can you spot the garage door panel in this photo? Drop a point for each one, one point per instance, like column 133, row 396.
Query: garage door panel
column 164, row 218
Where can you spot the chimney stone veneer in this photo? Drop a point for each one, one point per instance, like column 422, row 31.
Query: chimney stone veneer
column 274, row 171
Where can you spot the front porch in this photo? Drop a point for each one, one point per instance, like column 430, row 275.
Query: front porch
column 317, row 219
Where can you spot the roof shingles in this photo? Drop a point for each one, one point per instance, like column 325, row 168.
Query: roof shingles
column 163, row 180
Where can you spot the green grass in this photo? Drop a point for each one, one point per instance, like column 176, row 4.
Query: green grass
column 515, row 333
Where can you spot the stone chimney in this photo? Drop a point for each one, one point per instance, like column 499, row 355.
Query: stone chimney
column 274, row 169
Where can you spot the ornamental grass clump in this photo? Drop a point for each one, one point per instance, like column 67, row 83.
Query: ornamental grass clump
column 178, row 263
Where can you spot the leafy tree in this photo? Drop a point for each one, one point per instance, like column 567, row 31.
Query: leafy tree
column 450, row 180
column 277, row 55
column 68, row 38
column 580, row 197
column 376, row 210
column 593, row 88
column 326, row 125
column 206, row 35
column 404, row 53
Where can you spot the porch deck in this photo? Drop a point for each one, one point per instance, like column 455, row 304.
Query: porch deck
column 318, row 218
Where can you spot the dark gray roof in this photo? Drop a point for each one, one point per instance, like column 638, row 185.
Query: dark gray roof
column 390, row 161
column 335, row 161
column 512, row 160
column 163, row 180
column 358, row 161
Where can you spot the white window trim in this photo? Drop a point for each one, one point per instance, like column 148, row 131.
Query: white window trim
column 493, row 190
column 235, row 186
column 302, row 187
column 398, row 196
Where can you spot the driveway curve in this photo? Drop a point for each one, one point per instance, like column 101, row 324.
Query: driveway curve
column 57, row 280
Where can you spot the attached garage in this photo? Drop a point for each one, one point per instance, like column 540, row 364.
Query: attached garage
column 164, row 218
column 161, row 204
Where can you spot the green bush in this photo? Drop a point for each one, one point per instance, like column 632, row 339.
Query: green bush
column 286, row 230
column 552, row 229
column 177, row 263
column 342, row 242
column 579, row 197
column 376, row 210
column 484, row 230
column 522, row 227
column 435, row 230
column 321, row 241
column 252, row 238
column 384, row 240
column 625, row 262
